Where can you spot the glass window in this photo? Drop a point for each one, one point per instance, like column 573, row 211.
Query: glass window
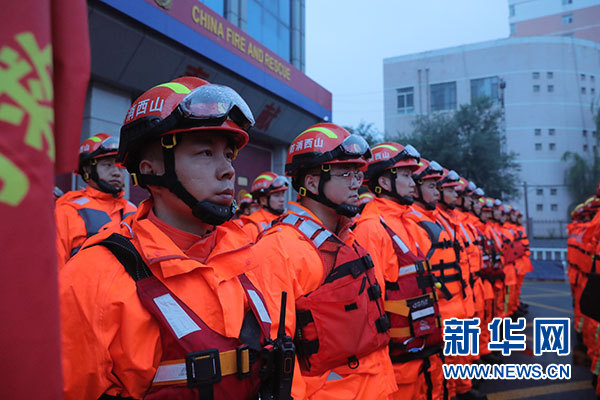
column 538, row 132
column 538, row 146
column 217, row 6
column 584, row 132
column 443, row 96
column 585, row 147
column 538, row 255
column 283, row 41
column 406, row 100
column 558, row 255
column 553, row 207
column 513, row 29
column 592, row 79
column 550, row 88
column 549, row 75
column 485, row 87
column 553, row 191
column 511, row 10
column 535, row 75
column 592, row 91
column 536, row 88
column 583, row 91
column 548, row 255
column 582, row 77
column 539, row 207
column 255, row 20
column 551, row 131
column 284, row 11
column 552, row 146
column 269, row 31
column 567, row 19
column 539, row 192
column 565, row 2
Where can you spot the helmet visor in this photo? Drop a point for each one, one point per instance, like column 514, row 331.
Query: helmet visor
column 216, row 102
column 355, row 146
column 279, row 183
column 471, row 187
column 434, row 168
column 452, row 176
column 411, row 152
column 108, row 145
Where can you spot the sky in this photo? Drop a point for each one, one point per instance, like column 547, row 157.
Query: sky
column 347, row 40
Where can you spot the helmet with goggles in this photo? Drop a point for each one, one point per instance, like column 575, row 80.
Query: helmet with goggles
column 428, row 170
column 268, row 183
column 389, row 157
column 183, row 106
column 449, row 179
column 465, row 187
column 320, row 146
column 98, row 146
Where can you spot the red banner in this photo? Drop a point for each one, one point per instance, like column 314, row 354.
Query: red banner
column 30, row 336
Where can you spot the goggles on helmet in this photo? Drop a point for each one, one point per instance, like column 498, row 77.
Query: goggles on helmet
column 452, row 176
column 108, row 145
column 207, row 105
column 353, row 146
column 408, row 152
column 278, row 183
column 216, row 103
column 471, row 187
column 479, row 192
column 434, row 168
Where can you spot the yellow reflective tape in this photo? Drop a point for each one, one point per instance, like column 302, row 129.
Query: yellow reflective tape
column 267, row 177
column 396, row 307
column 324, row 131
column 174, row 86
column 95, row 139
column 387, row 146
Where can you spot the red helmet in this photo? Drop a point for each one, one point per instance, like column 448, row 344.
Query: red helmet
column 325, row 143
column 245, row 198
column 449, row 179
column 428, row 170
column 488, row 203
column 392, row 155
column 98, row 146
column 465, row 187
column 268, row 183
column 186, row 104
column 592, row 203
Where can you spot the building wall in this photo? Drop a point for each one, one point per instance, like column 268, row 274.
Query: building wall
column 577, row 18
column 540, row 125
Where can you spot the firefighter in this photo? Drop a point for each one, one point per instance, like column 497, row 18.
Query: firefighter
column 337, row 317
column 159, row 307
column 415, row 348
column 438, row 243
column 268, row 189
column 82, row 213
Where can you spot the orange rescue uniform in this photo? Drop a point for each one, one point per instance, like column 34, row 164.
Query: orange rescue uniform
column 293, row 264
column 257, row 222
column 110, row 342
column 82, row 213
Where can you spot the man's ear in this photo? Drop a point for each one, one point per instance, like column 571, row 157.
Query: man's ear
column 385, row 182
column 311, row 183
column 263, row 201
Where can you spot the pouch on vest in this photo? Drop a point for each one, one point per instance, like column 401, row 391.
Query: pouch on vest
column 411, row 303
column 344, row 318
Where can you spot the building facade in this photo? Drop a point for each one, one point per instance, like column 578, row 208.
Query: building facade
column 548, row 84
column 572, row 18
column 253, row 46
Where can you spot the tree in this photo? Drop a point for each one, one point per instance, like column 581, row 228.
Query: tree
column 583, row 174
column 367, row 131
column 468, row 141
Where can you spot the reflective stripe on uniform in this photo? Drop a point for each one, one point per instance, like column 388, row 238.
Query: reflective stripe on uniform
column 409, row 269
column 179, row 321
column 260, row 307
column 334, row 376
column 81, row 201
column 400, row 244
column 465, row 232
column 308, row 227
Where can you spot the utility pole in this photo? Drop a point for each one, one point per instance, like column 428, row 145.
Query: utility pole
column 527, row 224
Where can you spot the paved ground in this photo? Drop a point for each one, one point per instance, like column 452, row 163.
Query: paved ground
column 545, row 299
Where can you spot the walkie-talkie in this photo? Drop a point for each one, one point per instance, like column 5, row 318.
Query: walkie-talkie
column 279, row 356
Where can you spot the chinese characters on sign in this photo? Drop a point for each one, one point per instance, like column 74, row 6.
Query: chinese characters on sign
column 550, row 335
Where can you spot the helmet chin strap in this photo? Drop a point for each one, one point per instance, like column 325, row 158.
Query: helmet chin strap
column 428, row 205
column 344, row 209
column 403, row 200
column 102, row 184
column 208, row 212
column 450, row 206
column 273, row 210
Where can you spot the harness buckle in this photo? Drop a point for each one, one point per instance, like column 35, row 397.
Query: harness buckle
column 203, row 368
column 243, row 361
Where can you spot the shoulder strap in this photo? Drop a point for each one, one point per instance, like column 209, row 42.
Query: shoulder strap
column 127, row 254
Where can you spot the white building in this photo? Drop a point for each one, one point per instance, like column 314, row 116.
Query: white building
column 551, row 82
